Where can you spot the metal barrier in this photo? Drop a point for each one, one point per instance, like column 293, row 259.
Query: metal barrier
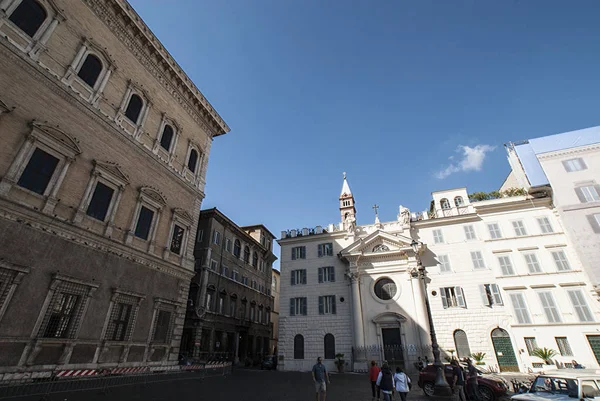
column 42, row 384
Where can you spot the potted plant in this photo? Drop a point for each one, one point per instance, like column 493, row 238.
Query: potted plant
column 339, row 362
column 478, row 357
column 545, row 354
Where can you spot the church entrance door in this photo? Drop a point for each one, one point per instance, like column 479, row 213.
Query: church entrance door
column 392, row 347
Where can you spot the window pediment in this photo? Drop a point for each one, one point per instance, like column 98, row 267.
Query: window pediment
column 112, row 172
column 95, row 48
column 183, row 216
column 56, row 139
column 153, row 196
column 388, row 317
column 4, row 109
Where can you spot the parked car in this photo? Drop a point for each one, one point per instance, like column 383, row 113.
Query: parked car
column 563, row 384
column 268, row 362
column 490, row 387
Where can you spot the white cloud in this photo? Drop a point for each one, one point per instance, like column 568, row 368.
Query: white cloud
column 471, row 159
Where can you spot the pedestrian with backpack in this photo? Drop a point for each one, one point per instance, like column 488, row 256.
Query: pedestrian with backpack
column 402, row 383
column 385, row 381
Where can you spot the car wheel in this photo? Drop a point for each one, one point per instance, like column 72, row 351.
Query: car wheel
column 486, row 393
column 428, row 388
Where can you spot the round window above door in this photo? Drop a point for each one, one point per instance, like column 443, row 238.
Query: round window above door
column 385, row 289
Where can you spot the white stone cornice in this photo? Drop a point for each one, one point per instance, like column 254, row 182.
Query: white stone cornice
column 570, row 152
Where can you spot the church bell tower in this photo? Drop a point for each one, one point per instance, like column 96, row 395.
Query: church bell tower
column 347, row 209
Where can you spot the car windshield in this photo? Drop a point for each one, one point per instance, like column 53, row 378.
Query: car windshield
column 555, row 385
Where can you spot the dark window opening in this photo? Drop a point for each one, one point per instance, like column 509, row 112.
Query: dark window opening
column 161, row 331
column 90, row 70
column 62, row 316
column 100, row 201
column 237, row 248
column 177, row 239
column 246, row 254
column 121, row 322
column 29, row 17
column 329, row 346
column 166, row 138
column 193, row 160
column 134, row 108
column 298, row 347
column 38, row 172
column 142, row 229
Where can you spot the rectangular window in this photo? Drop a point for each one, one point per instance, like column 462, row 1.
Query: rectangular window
column 563, row 346
column 594, row 220
column 224, row 271
column 297, row 306
column 232, row 307
column 213, row 265
column 580, row 305
column 549, row 307
column 326, row 274
column 228, row 245
column 221, row 307
column 100, row 202
column 38, row 172
column 453, row 297
column 589, row 193
column 574, row 165
column 120, row 321
column 200, row 236
column 62, row 316
column 506, row 265
column 177, row 239
column 532, row 263
column 299, row 252
column 490, row 294
column 327, row 305
column 209, row 299
column 438, row 237
column 519, row 228
column 216, row 239
column 142, row 228
column 477, row 258
column 531, row 344
column 469, row 233
column 494, row 230
column 545, row 225
column 298, row 277
column 560, row 259
column 325, row 249
column 521, row 312
column 236, row 275
column 444, row 263
column 161, row 329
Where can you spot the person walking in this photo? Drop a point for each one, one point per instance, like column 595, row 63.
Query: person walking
column 373, row 375
column 385, row 381
column 472, row 384
column 320, row 375
column 401, row 383
column 458, row 382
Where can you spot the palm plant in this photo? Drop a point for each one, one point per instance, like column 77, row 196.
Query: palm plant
column 546, row 354
column 478, row 357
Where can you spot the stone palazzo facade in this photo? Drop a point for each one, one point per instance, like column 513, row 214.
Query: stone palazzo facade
column 105, row 144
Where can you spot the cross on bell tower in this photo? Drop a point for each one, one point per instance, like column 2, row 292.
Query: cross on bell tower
column 347, row 209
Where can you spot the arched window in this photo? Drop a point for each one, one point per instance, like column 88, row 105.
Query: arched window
column 29, row 17
column 458, row 201
column 298, row 347
column 134, row 108
column 462, row 344
column 329, row 346
column 445, row 204
column 193, row 160
column 246, row 254
column 237, row 248
column 90, row 70
column 166, row 138
column 254, row 259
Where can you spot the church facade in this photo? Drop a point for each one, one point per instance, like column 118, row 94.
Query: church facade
column 501, row 278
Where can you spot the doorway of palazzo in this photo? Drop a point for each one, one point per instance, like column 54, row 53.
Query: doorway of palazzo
column 392, row 346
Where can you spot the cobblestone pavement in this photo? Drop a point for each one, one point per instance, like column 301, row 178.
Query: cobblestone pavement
column 246, row 385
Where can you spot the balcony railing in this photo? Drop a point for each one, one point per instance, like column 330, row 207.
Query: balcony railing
column 305, row 232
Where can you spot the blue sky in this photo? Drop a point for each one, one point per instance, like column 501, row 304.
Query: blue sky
column 407, row 97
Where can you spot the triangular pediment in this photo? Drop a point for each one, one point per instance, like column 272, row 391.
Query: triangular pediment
column 113, row 169
column 379, row 242
column 57, row 136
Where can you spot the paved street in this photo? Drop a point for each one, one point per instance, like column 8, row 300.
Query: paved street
column 244, row 384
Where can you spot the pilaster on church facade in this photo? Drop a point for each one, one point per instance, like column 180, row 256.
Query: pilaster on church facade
column 496, row 273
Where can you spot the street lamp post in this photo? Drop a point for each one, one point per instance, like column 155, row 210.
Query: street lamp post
column 441, row 386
